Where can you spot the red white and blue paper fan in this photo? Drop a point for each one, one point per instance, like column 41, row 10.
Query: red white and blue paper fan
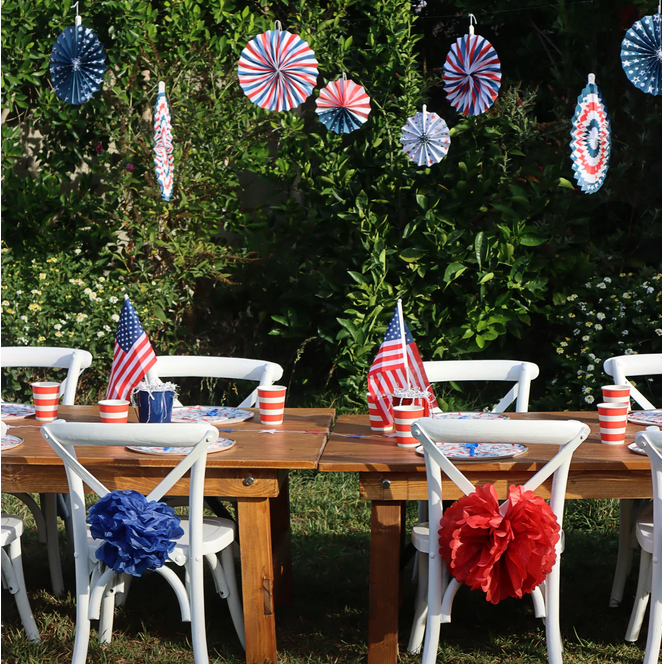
column 472, row 74
column 591, row 138
column 164, row 162
column 77, row 65
column 641, row 54
column 277, row 70
column 425, row 138
column 343, row 106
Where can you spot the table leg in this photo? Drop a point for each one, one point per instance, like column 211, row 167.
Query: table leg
column 281, row 539
column 385, row 543
column 49, row 507
column 257, row 576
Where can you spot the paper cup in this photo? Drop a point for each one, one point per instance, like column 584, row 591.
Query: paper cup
column 46, row 398
column 616, row 394
column 404, row 417
column 613, row 421
column 271, row 400
column 378, row 423
column 114, row 411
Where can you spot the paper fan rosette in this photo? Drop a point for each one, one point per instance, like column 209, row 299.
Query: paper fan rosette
column 277, row 70
column 425, row 138
column 343, row 106
column 591, row 138
column 164, row 162
column 641, row 54
column 77, row 64
column 472, row 74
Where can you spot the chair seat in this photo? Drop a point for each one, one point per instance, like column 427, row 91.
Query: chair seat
column 12, row 528
column 216, row 535
column 644, row 529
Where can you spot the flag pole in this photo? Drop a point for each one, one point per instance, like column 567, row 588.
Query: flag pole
column 401, row 320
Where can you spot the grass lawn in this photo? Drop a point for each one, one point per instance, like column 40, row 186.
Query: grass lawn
column 328, row 619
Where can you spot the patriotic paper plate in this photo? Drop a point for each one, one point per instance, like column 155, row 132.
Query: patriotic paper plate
column 220, row 445
column 478, row 451
column 16, row 410
column 8, row 442
column 211, row 414
column 633, row 447
column 638, row 416
column 468, row 416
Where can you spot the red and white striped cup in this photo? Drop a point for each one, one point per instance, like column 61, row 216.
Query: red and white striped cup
column 377, row 422
column 613, row 421
column 271, row 400
column 616, row 394
column 114, row 411
column 404, row 417
column 46, row 398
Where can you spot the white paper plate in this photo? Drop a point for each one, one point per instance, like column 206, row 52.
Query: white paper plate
column 16, row 409
column 482, row 451
column 220, row 445
column 468, row 416
column 649, row 417
column 9, row 442
column 633, row 447
column 211, row 414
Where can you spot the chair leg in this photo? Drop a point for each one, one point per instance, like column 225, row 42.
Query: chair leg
column 552, row 619
column 49, row 508
column 107, row 613
column 641, row 598
column 655, row 619
column 196, row 594
column 234, row 599
column 21, row 596
column 626, row 543
column 421, row 606
column 37, row 514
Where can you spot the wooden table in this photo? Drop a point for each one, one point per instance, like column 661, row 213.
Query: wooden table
column 254, row 472
column 389, row 476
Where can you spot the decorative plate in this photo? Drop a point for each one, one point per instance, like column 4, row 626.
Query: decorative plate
column 9, row 442
column 16, row 410
column 645, row 416
column 633, row 447
column 220, row 445
column 478, row 451
column 468, row 416
column 212, row 414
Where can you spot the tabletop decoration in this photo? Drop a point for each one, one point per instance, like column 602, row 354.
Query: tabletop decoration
column 277, row 70
column 211, row 414
column 139, row 534
column 343, row 106
column 425, row 138
column 504, row 556
column 478, row 451
column 154, row 400
column 220, row 445
column 77, row 64
column 640, row 416
column 468, row 416
column 8, row 442
column 16, row 409
column 641, row 54
column 472, row 73
column 591, row 139
column 164, row 161
column 633, row 447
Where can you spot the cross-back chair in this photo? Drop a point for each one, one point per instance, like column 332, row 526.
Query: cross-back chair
column 204, row 538
column 434, row 600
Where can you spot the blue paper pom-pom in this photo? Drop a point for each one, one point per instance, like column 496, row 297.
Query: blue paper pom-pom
column 139, row 533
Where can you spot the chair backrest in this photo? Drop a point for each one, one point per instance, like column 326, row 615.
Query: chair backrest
column 515, row 371
column 650, row 441
column 622, row 366
column 73, row 359
column 234, row 368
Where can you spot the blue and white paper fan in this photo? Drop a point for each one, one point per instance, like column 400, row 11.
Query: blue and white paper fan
column 425, row 138
column 641, row 54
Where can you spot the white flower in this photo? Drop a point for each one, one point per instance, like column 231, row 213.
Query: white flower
column 586, row 389
column 115, row 317
column 87, row 291
column 628, row 351
column 93, row 296
column 625, row 333
column 42, row 276
column 601, row 316
column 572, row 297
column 102, row 279
column 19, row 292
column 590, row 367
column 579, row 372
column 598, row 326
column 564, row 344
column 607, row 280
column 101, row 333
column 107, row 328
column 601, row 285
column 627, row 295
column 112, row 299
column 57, row 326
column 58, row 334
column 36, row 292
column 650, row 289
column 585, row 337
column 553, row 381
column 23, row 340
column 77, row 251
column 24, row 318
column 658, row 331
column 5, row 303
column 589, row 398
column 577, row 331
column 593, row 357
column 81, row 317
column 559, row 351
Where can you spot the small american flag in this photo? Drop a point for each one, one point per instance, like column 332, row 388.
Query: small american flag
column 133, row 356
column 389, row 370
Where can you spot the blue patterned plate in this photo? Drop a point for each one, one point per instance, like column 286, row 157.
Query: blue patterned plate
column 478, row 451
column 220, row 445
column 646, row 416
column 211, row 414
column 9, row 442
column 468, row 416
column 16, row 409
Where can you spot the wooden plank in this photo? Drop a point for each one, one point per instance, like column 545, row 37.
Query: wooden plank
column 281, row 542
column 257, row 574
column 385, row 542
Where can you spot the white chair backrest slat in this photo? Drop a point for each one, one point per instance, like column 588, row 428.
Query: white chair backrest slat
column 622, row 366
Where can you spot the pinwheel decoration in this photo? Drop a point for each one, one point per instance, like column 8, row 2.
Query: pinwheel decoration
column 343, row 106
column 425, row 138
column 641, row 54
column 164, row 161
column 78, row 63
column 277, row 70
column 591, row 138
column 472, row 74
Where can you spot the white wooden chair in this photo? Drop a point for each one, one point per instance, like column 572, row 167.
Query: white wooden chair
column 96, row 585
column 12, row 572
column 619, row 369
column 234, row 368
column 75, row 361
column 648, row 529
column 434, row 600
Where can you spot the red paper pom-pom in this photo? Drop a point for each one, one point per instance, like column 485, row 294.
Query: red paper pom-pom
column 505, row 556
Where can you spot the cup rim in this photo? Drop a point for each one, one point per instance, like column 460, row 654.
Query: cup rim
column 45, row 383
column 114, row 402
column 615, row 387
column 271, row 387
column 409, row 407
column 612, row 404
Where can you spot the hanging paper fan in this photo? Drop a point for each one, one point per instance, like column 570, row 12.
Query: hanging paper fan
column 472, row 74
column 425, row 138
column 343, row 106
column 277, row 70
column 641, row 54
column 163, row 158
column 591, row 138
column 78, row 63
